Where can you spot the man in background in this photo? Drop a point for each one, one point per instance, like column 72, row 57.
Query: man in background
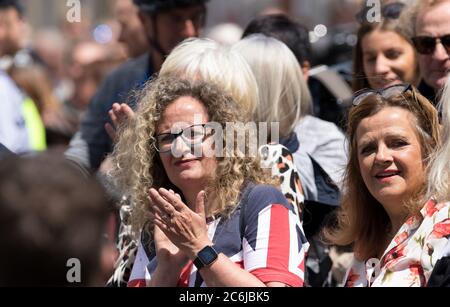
column 12, row 27
column 132, row 33
column 165, row 24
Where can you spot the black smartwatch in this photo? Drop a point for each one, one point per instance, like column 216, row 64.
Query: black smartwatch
column 205, row 257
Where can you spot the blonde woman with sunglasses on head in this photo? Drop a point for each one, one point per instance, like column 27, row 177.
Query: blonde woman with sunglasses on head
column 396, row 230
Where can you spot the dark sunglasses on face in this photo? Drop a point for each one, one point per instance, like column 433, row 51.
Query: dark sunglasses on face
column 386, row 93
column 427, row 44
column 391, row 11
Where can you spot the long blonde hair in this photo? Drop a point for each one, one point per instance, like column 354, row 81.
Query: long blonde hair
column 137, row 163
column 284, row 96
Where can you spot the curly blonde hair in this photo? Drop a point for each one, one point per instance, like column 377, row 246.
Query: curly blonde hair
column 357, row 203
column 137, row 165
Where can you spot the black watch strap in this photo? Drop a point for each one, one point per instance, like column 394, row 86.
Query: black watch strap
column 207, row 256
column 198, row 263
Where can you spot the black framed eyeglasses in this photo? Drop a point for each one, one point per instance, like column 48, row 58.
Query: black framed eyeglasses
column 390, row 10
column 386, row 93
column 192, row 135
column 427, row 44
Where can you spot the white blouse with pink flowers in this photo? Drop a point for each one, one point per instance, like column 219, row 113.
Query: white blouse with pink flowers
column 411, row 255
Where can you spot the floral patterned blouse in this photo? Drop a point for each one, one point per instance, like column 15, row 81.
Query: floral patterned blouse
column 411, row 255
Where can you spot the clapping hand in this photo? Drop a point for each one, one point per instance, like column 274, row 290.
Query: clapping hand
column 186, row 229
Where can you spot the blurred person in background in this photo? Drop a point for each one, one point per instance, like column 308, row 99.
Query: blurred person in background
column 328, row 89
column 429, row 24
column 90, row 63
column 75, row 32
column 49, row 214
column 13, row 52
column 291, row 33
column 384, row 54
column 21, row 126
column 33, row 80
column 166, row 23
column 12, row 27
column 132, row 33
column 13, row 35
column 52, row 50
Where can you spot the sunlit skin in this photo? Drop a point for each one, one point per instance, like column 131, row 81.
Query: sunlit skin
column 388, row 59
column 434, row 21
column 188, row 173
column 390, row 159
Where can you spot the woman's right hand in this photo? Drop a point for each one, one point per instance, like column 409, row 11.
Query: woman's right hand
column 169, row 256
column 171, row 261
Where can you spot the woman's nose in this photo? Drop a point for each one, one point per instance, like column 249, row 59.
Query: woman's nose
column 180, row 148
column 383, row 155
column 381, row 65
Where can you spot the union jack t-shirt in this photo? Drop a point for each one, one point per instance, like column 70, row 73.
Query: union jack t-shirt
column 272, row 246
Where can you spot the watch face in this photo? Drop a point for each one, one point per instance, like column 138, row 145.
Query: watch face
column 207, row 255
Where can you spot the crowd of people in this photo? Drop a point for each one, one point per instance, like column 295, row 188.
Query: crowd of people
column 166, row 159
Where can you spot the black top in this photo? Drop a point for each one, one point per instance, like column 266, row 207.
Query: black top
column 428, row 92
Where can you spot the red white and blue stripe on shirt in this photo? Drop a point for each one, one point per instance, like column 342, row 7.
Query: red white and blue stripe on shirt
column 273, row 246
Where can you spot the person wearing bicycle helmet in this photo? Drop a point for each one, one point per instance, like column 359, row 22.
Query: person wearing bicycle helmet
column 166, row 23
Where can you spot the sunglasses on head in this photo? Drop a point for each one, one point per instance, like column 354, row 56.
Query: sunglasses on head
column 427, row 44
column 386, row 93
column 391, row 11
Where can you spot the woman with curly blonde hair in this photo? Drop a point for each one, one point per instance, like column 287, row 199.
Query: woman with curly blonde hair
column 398, row 233
column 209, row 215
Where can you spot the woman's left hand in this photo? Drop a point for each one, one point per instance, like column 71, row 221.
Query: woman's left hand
column 185, row 228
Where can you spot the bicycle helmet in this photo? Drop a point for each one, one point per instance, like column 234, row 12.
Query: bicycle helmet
column 155, row 6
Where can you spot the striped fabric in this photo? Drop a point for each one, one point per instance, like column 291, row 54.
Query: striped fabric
column 272, row 248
